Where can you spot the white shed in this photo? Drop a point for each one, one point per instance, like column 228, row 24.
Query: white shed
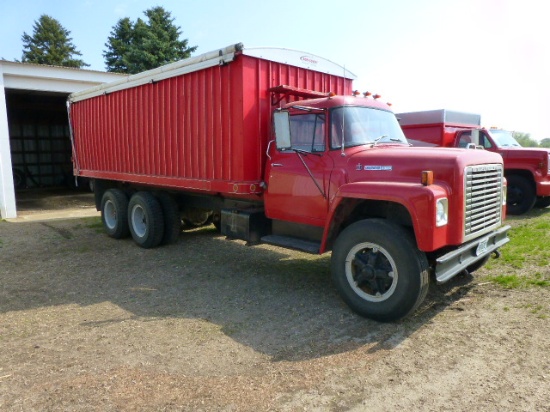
column 34, row 132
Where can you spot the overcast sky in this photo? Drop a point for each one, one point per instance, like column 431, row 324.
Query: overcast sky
column 490, row 57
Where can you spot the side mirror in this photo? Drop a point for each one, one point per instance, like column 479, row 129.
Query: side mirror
column 281, row 122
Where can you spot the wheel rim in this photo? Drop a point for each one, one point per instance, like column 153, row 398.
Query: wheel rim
column 110, row 214
column 139, row 221
column 371, row 272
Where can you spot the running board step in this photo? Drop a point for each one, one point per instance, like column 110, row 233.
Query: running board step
column 293, row 243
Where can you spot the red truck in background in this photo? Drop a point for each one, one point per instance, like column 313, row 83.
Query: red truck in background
column 527, row 170
column 272, row 146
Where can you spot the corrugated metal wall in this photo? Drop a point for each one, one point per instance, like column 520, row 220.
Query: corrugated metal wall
column 209, row 125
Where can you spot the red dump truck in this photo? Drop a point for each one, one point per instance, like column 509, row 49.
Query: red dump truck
column 272, row 146
column 527, row 170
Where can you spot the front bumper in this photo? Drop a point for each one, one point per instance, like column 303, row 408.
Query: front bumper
column 467, row 254
column 543, row 188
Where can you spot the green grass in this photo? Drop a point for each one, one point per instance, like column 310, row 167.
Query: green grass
column 93, row 223
column 520, row 281
column 525, row 259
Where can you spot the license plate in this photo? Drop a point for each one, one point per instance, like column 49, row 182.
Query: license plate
column 482, row 247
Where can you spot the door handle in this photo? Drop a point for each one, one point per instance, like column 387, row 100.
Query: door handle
column 276, row 164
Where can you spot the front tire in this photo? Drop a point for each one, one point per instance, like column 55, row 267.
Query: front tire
column 521, row 195
column 145, row 220
column 114, row 213
column 379, row 271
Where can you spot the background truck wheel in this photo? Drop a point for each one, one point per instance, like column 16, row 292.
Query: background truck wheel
column 145, row 220
column 521, row 195
column 172, row 218
column 379, row 271
column 478, row 265
column 542, row 201
column 114, row 213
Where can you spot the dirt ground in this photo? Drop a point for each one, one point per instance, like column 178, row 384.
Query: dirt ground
column 89, row 323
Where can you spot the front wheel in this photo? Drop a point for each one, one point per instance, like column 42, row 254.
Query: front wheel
column 521, row 195
column 379, row 271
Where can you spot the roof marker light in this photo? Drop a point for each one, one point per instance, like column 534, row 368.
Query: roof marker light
column 367, row 94
column 376, row 96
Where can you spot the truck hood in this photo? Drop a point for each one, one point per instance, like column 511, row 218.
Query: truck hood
column 524, row 152
column 404, row 163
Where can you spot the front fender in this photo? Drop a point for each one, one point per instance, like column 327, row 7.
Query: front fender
column 417, row 199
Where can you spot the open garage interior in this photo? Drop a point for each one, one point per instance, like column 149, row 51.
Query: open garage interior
column 35, row 143
column 39, row 140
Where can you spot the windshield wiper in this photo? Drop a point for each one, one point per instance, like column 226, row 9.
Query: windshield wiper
column 305, row 152
column 377, row 140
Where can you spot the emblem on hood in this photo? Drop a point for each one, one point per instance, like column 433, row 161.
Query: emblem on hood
column 373, row 167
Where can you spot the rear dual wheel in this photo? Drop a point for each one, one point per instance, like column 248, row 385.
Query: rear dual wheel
column 145, row 219
column 114, row 213
column 151, row 220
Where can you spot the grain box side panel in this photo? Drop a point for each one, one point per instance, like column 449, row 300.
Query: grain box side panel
column 174, row 132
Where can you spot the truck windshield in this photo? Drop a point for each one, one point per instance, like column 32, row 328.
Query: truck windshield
column 503, row 138
column 363, row 125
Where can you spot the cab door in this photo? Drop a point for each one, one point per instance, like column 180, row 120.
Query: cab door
column 298, row 170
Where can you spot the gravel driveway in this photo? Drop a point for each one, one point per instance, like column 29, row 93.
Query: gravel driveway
column 89, row 323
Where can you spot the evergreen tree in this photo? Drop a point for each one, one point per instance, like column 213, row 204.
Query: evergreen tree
column 144, row 45
column 50, row 44
column 121, row 39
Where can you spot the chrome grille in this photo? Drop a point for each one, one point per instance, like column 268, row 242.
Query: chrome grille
column 483, row 199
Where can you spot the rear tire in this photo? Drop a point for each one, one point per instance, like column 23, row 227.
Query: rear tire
column 145, row 220
column 379, row 271
column 172, row 219
column 114, row 213
column 521, row 195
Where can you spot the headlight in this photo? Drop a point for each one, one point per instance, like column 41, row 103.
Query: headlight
column 441, row 212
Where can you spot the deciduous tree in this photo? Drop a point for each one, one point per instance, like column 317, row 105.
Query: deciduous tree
column 524, row 139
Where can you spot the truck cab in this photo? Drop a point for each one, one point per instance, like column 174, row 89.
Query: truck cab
column 527, row 170
column 342, row 177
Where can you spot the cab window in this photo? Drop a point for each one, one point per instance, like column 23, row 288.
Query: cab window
column 307, row 132
column 465, row 139
column 485, row 141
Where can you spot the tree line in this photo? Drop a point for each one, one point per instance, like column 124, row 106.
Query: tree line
column 524, row 139
column 132, row 46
